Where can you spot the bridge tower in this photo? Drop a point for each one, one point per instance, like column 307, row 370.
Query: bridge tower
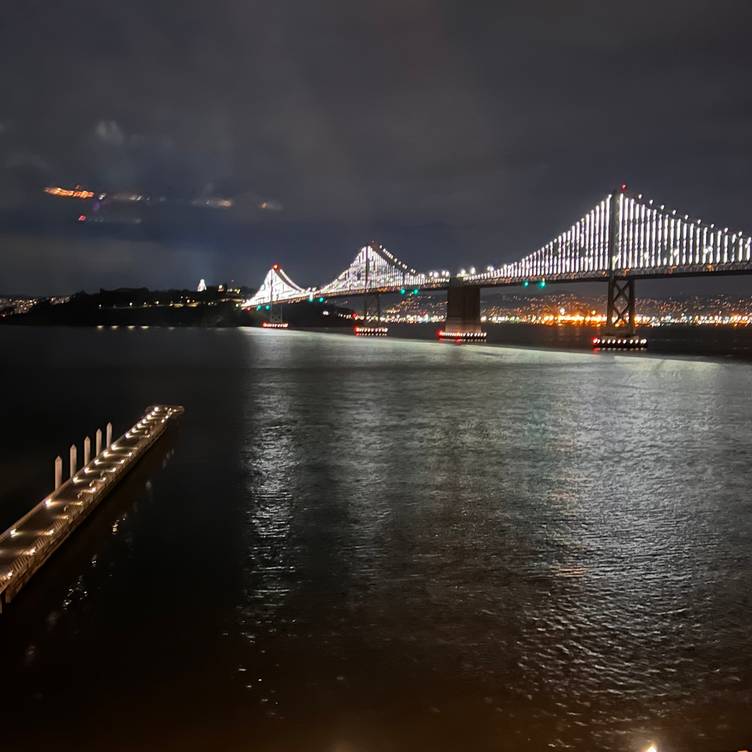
column 275, row 313
column 366, row 285
column 463, row 312
column 620, row 331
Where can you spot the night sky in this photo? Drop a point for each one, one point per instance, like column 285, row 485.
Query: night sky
column 455, row 133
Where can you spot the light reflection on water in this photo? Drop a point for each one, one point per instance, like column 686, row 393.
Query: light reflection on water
column 374, row 544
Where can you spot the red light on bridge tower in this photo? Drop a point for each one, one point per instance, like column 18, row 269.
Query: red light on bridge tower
column 623, row 188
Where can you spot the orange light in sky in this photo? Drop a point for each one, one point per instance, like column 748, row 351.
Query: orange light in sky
column 76, row 192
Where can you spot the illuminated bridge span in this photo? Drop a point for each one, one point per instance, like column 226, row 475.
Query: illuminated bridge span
column 623, row 238
column 373, row 270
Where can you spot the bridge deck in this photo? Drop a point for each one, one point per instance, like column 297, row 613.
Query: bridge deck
column 488, row 279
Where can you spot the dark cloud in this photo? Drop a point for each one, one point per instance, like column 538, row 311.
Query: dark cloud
column 460, row 132
column 109, row 132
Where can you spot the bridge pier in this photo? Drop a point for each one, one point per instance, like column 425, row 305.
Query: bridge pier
column 620, row 332
column 367, row 307
column 463, row 313
column 367, row 329
column 620, row 310
column 276, row 318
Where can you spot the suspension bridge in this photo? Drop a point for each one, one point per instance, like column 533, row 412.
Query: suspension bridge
column 623, row 238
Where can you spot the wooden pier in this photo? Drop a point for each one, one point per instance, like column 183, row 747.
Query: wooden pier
column 30, row 541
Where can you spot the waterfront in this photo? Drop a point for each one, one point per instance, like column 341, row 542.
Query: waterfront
column 384, row 545
column 720, row 341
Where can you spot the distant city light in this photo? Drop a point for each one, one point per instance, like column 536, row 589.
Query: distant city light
column 213, row 202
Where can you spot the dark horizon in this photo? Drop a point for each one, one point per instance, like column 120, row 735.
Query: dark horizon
column 452, row 137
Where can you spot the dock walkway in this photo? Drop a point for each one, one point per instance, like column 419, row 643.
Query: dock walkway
column 30, row 541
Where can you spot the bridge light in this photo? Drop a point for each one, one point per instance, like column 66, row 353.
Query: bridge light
column 416, row 291
column 402, row 291
column 542, row 283
column 321, row 300
column 268, row 308
column 526, row 283
column 623, row 187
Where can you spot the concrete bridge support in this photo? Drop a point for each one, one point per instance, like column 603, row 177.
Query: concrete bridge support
column 463, row 312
